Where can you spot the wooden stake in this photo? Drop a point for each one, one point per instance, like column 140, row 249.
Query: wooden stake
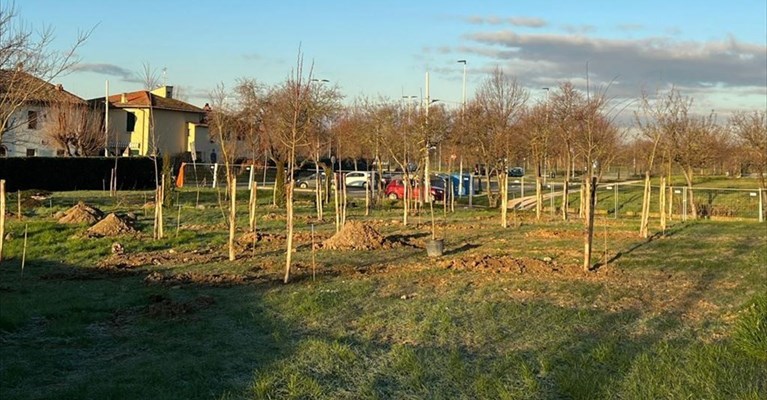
column 178, row 220
column 24, row 250
column 18, row 205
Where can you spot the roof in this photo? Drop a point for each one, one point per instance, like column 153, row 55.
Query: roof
column 146, row 99
column 33, row 89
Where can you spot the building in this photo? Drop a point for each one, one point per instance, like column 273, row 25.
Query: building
column 145, row 123
column 29, row 128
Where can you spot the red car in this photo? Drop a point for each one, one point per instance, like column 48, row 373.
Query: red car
column 395, row 190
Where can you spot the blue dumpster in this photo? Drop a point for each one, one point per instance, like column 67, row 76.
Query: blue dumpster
column 456, row 179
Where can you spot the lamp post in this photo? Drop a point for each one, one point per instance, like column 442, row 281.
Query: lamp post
column 546, row 156
column 463, row 111
column 463, row 91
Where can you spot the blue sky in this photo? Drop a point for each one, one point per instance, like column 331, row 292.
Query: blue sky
column 714, row 51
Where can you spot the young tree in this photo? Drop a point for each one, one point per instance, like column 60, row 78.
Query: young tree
column 564, row 107
column 500, row 100
column 292, row 102
column 226, row 129
column 597, row 140
column 537, row 131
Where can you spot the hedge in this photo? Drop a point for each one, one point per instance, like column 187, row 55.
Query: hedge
column 77, row 173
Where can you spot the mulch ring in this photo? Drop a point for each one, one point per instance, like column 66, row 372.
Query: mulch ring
column 516, row 265
column 163, row 307
column 162, row 257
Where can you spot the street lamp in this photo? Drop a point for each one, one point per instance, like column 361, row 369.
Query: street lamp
column 463, row 92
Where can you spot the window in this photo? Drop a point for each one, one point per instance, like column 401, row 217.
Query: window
column 31, row 152
column 130, row 124
column 31, row 119
column 198, row 156
column 60, row 153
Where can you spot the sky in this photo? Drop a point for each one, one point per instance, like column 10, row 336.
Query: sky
column 712, row 51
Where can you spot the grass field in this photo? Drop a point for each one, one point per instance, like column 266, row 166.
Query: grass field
column 504, row 314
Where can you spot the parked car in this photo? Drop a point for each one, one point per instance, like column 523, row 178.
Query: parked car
column 360, row 178
column 516, row 172
column 395, row 190
column 310, row 181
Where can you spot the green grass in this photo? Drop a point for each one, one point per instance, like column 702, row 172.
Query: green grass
column 681, row 316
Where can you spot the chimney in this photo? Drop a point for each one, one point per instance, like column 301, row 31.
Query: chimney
column 20, row 67
column 123, row 99
column 59, row 87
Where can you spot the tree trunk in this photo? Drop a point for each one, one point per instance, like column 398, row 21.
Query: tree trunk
column 588, row 232
column 566, row 189
column 252, row 203
column 232, row 214
column 336, row 183
column 662, row 204
column 688, row 175
column 538, row 197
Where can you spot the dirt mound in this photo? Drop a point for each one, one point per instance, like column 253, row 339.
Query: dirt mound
column 356, row 235
column 81, row 213
column 508, row 264
column 111, row 225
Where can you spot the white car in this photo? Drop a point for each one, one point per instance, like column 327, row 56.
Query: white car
column 359, row 178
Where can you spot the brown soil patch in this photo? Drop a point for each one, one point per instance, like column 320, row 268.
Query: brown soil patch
column 258, row 237
column 163, row 307
column 509, row 264
column 81, row 213
column 164, row 257
column 196, row 278
column 356, row 235
column 111, row 225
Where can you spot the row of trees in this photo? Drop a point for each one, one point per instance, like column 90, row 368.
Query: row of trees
column 302, row 118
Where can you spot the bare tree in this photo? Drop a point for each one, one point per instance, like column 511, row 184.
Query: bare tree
column 294, row 113
column 692, row 141
column 75, row 128
column 226, row 129
column 597, row 140
column 751, row 130
column 537, row 132
column 563, row 112
column 24, row 52
column 500, row 100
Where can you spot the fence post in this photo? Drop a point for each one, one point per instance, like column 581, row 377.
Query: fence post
column 684, row 204
column 616, row 199
column 215, row 175
column 761, row 205
column 522, row 186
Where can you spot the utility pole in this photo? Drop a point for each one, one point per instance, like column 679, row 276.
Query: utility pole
column 106, row 120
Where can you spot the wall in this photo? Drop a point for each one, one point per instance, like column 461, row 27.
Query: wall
column 21, row 138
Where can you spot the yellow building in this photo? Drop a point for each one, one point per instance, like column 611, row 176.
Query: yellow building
column 148, row 123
